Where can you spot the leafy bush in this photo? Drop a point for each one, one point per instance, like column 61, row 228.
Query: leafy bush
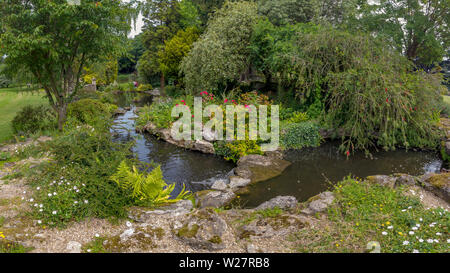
column 359, row 84
column 300, row 135
column 298, row 117
column 4, row 82
column 144, row 87
column 76, row 183
column 147, row 190
column 235, row 150
column 32, row 119
column 157, row 113
column 221, row 53
column 90, row 111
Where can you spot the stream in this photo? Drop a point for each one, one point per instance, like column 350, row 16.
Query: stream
column 313, row 170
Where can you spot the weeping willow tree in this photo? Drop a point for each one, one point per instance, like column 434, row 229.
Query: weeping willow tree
column 366, row 89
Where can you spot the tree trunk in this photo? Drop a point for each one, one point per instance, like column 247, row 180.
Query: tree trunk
column 163, row 82
column 62, row 115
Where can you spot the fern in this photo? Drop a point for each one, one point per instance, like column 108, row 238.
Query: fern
column 150, row 189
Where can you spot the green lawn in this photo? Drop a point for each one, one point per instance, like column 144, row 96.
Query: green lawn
column 11, row 101
column 447, row 99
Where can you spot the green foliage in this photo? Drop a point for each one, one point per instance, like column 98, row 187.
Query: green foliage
column 300, row 135
column 281, row 12
column 76, row 184
column 175, row 50
column 144, row 87
column 426, row 22
column 240, row 148
column 33, row 119
column 90, row 111
column 190, row 16
column 149, row 190
column 157, row 113
column 398, row 222
column 7, row 246
column 105, row 73
column 221, row 53
column 4, row 81
column 54, row 41
column 298, row 117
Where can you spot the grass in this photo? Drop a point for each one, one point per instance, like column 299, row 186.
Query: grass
column 447, row 99
column 11, row 101
column 366, row 216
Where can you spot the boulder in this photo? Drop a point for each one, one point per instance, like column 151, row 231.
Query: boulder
column 405, row 179
column 219, row 185
column 382, row 180
column 439, row 184
column 260, row 168
column 203, row 229
column 214, row 199
column 204, row 147
column 238, row 182
column 282, row 202
column 319, row 203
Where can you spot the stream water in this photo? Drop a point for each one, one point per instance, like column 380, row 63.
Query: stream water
column 313, row 170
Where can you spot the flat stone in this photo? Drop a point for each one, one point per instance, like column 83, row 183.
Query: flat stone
column 438, row 184
column 260, row 168
column 282, row 202
column 405, row 179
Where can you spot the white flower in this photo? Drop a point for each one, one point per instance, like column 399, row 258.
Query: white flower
column 411, row 233
column 421, row 240
column 54, row 212
column 414, row 228
column 54, row 193
column 384, row 233
column 41, row 205
column 405, row 243
column 403, row 210
column 438, row 233
column 97, row 235
column 448, row 241
column 86, row 201
column 49, row 195
column 31, row 200
column 409, row 207
column 38, row 188
column 417, row 225
column 128, row 224
column 76, row 202
column 415, row 251
column 430, row 241
column 88, row 250
column 420, row 219
column 390, row 227
column 41, row 210
column 24, row 192
column 436, row 240
column 39, row 222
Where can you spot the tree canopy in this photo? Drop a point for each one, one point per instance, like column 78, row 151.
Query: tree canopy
column 54, row 41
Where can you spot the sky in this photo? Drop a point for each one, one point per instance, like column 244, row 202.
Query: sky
column 139, row 25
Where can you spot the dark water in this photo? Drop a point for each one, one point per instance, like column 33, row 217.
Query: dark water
column 312, row 171
column 193, row 169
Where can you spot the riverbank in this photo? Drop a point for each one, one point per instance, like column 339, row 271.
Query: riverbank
column 396, row 212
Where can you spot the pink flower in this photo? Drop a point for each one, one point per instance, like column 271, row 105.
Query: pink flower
column 226, row 100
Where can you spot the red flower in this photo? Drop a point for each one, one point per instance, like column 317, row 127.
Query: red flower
column 348, row 153
column 226, row 100
column 385, row 90
column 387, row 100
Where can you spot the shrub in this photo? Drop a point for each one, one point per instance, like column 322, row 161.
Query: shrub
column 147, row 190
column 300, row 135
column 90, row 111
column 144, row 87
column 241, row 148
column 32, row 119
column 298, row 117
column 76, row 183
column 157, row 113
